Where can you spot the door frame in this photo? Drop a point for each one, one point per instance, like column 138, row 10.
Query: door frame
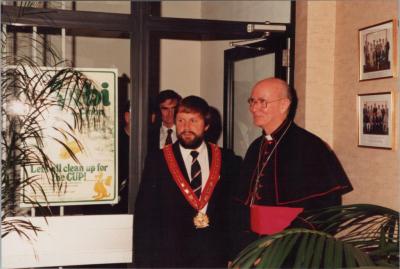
column 233, row 55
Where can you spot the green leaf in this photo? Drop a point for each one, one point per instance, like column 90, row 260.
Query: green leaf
column 301, row 252
column 310, row 251
column 317, row 257
column 329, row 253
column 265, row 256
column 350, row 259
column 248, row 260
column 285, row 250
column 361, row 258
column 276, row 251
column 338, row 257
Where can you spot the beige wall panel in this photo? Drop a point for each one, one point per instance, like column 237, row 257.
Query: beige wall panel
column 212, row 70
column 181, row 9
column 104, row 6
column 300, row 74
column 180, row 66
column 320, row 68
column 258, row 11
column 212, row 74
column 373, row 172
column 103, row 53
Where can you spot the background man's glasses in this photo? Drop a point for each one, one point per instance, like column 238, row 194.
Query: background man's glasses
column 263, row 103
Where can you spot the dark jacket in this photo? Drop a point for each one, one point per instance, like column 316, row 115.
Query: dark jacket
column 164, row 233
column 302, row 172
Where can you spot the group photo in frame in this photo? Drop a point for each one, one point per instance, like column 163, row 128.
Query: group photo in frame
column 378, row 50
column 375, row 120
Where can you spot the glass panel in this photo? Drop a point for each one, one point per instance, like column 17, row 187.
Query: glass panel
column 255, row 11
column 123, row 7
column 94, row 144
column 177, row 56
column 247, row 73
column 41, row 4
column 181, row 9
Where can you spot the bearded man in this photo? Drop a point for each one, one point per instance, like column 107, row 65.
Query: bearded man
column 184, row 200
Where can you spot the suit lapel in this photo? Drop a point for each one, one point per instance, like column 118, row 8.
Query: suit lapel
column 181, row 163
column 179, row 160
column 209, row 154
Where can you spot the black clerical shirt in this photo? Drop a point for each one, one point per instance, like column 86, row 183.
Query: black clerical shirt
column 302, row 171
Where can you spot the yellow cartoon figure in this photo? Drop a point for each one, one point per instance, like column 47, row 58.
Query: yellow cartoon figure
column 100, row 186
column 73, row 146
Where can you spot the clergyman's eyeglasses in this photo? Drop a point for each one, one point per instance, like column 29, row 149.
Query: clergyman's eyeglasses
column 263, row 103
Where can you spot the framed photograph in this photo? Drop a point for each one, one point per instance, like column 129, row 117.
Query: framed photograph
column 375, row 120
column 378, row 53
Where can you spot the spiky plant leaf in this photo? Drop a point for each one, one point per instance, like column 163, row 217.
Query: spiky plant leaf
column 371, row 228
column 282, row 251
column 39, row 91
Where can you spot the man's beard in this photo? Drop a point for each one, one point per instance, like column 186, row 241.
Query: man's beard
column 192, row 144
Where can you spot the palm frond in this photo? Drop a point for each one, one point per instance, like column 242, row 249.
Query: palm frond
column 23, row 139
column 371, row 228
column 301, row 248
column 360, row 235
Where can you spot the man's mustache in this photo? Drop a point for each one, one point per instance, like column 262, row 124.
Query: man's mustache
column 187, row 132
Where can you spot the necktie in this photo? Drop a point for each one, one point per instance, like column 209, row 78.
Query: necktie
column 168, row 140
column 196, row 174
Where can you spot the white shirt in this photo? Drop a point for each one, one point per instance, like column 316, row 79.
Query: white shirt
column 204, row 165
column 164, row 134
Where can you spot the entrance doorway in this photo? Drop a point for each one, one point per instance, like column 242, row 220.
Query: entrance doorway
column 244, row 66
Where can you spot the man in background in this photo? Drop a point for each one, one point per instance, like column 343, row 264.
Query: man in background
column 123, row 161
column 163, row 132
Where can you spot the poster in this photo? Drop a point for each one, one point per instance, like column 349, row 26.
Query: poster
column 92, row 180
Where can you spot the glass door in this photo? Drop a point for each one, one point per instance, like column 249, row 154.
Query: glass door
column 244, row 66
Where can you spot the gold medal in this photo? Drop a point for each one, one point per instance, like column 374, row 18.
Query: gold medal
column 201, row 220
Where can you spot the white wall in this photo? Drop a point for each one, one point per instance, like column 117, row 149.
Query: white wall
column 180, row 61
column 104, row 6
column 70, row 240
column 255, row 11
column 181, row 9
column 180, row 66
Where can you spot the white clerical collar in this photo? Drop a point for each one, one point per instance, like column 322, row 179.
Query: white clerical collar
column 186, row 152
column 268, row 137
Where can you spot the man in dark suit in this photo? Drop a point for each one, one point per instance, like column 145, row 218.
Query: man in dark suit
column 184, row 200
column 163, row 130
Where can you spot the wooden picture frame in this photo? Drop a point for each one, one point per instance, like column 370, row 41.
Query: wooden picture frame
column 375, row 120
column 378, row 51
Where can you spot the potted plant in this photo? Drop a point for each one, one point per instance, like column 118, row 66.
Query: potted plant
column 359, row 235
column 28, row 91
